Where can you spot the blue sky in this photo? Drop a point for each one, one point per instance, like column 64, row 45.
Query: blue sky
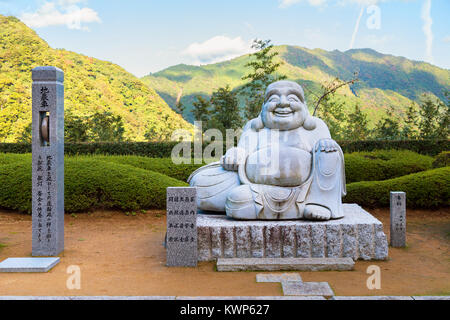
column 147, row 36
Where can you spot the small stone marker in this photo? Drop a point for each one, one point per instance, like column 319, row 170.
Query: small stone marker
column 48, row 161
column 398, row 219
column 181, row 239
column 28, row 264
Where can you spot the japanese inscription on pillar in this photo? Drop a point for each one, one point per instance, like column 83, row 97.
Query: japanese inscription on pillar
column 48, row 161
column 181, row 240
column 398, row 219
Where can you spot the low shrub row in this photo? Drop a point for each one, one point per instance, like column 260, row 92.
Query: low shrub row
column 164, row 149
column 90, row 185
column 133, row 183
column 428, row 189
column 442, row 160
column 384, row 164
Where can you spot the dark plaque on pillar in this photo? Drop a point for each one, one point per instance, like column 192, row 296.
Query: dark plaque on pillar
column 48, row 161
column 181, row 241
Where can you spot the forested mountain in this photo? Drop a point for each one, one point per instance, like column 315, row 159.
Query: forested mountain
column 386, row 81
column 91, row 86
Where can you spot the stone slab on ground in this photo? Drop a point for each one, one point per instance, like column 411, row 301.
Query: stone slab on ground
column 28, row 264
column 298, row 288
column 277, row 277
column 285, row 264
column 6, row 298
column 358, row 235
column 98, row 298
column 374, row 298
column 431, row 297
column 253, row 298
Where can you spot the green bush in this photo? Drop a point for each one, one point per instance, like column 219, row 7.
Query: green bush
column 384, row 164
column 133, row 183
column 427, row 189
column 442, row 160
column 89, row 185
column 10, row 158
column 162, row 165
column 164, row 149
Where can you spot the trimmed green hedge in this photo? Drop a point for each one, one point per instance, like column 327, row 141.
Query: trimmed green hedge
column 427, row 189
column 442, row 160
column 133, row 183
column 384, row 164
column 162, row 165
column 164, row 149
column 428, row 147
column 90, row 185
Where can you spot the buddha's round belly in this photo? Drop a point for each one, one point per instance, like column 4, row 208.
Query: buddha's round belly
column 289, row 167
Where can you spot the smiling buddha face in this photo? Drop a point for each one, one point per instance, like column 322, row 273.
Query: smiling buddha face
column 284, row 106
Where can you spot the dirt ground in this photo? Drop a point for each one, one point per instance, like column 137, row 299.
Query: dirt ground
column 123, row 255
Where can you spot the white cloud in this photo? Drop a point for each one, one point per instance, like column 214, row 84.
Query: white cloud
column 61, row 12
column 216, row 49
column 355, row 31
column 446, row 39
column 427, row 23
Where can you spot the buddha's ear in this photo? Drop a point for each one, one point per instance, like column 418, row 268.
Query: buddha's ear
column 257, row 124
column 310, row 123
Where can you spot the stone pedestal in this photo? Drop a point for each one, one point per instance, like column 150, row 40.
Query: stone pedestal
column 358, row 235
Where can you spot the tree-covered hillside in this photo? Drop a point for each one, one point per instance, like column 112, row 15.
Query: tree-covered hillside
column 91, row 86
column 385, row 82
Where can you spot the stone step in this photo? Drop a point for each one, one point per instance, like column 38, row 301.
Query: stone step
column 285, row 264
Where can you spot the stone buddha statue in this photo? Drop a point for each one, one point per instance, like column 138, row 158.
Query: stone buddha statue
column 285, row 166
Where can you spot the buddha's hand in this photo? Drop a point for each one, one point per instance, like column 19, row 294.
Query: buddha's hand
column 327, row 145
column 233, row 159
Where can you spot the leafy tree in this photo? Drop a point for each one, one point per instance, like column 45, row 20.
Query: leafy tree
column 76, row 128
column 388, row 128
column 330, row 88
column 262, row 74
column 410, row 126
column 89, row 85
column 26, row 135
column 106, row 126
column 357, row 125
column 443, row 131
column 333, row 114
column 226, row 113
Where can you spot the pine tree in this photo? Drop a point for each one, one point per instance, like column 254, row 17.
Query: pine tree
column 263, row 69
column 429, row 118
column 409, row 130
column 226, row 114
column 357, row 125
column 202, row 111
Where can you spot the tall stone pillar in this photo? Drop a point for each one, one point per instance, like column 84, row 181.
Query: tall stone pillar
column 48, row 161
